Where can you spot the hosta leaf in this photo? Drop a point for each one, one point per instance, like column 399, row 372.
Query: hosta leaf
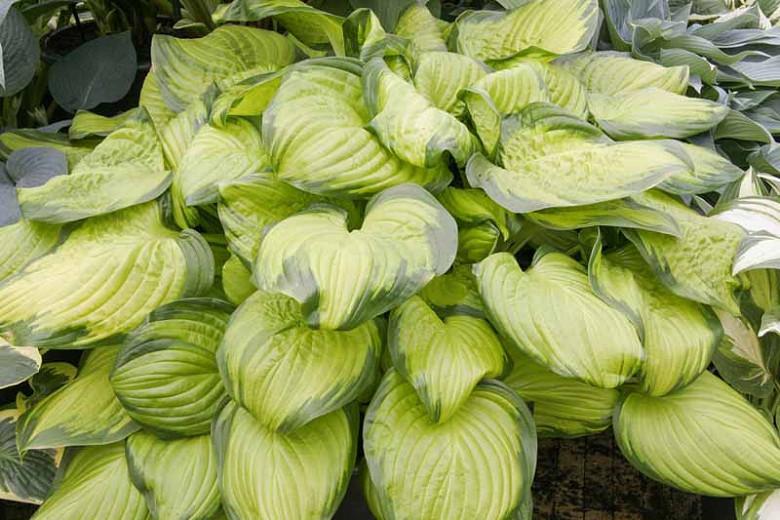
column 25, row 479
column 411, row 125
column 236, row 280
column 440, row 76
column 763, row 506
column 710, row 171
column 477, row 242
column 184, row 68
column 84, row 411
column 247, row 97
column 315, row 131
column 218, row 155
column 17, row 363
column 12, row 140
column 704, row 439
column 556, row 26
column 166, row 376
column 696, row 265
column 479, row 464
column 151, row 99
column 287, row 374
column 32, row 167
column 418, row 25
column 19, row 52
column 760, row 218
column 10, row 213
column 653, row 112
column 740, row 358
column 341, row 277
column 454, row 292
column 442, row 359
column 103, row 280
column 563, row 406
column 88, row 124
column 23, row 242
column 550, row 313
column 156, row 468
column 302, row 474
column 94, row 484
column 679, row 336
column 51, row 377
column 770, row 322
column 549, row 158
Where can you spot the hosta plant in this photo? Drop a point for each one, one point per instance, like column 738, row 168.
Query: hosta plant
column 363, row 242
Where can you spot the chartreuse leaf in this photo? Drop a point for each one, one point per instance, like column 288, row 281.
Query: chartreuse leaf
column 342, row 277
column 12, row 140
column 23, row 479
column 563, row 406
column 166, row 375
column 220, row 154
column 710, row 171
column 678, row 335
column 245, row 97
column 653, row 112
column 697, row 264
column 554, row 26
column 550, row 313
column 440, row 76
column 88, row 124
column 178, row 478
column 17, row 363
column 23, row 242
column 763, row 506
column 185, row 68
column 454, row 292
column 409, row 123
column 550, row 158
column 103, row 280
column 94, row 484
column 125, row 169
column 84, row 411
column 443, row 359
column 478, row 464
column 315, row 131
column 151, row 99
column 236, row 280
column 704, row 439
column 418, row 25
column 51, row 377
column 301, row 474
column 287, row 374
column 740, row 358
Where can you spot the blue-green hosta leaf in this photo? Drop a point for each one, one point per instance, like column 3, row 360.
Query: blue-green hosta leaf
column 679, row 336
column 32, row 167
column 454, row 292
column 236, row 280
column 440, row 76
column 709, row 172
column 26, row 479
column 287, row 374
column 562, row 406
column 94, row 484
column 309, row 25
column 19, row 53
column 549, row 158
column 178, row 478
column 185, row 68
column 166, row 376
column 12, row 140
column 411, row 125
column 704, row 439
column 342, row 277
column 420, row 27
column 98, row 71
column 103, row 280
column 84, row 411
column 88, row 124
column 697, row 264
column 653, row 112
column 17, row 363
column 23, row 242
column 218, row 155
column 740, row 358
column 555, row 26
column 315, row 131
column 10, row 213
column 302, row 474
column 478, row 464
column 763, row 506
column 443, row 359
column 550, row 313
column 124, row 170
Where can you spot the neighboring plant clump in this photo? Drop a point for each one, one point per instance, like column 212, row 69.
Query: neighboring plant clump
column 369, row 241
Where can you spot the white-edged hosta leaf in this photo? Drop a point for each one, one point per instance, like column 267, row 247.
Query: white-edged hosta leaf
column 17, row 363
column 409, row 123
column 88, row 124
column 23, row 479
column 84, row 411
column 562, row 406
column 178, row 478
column 550, row 158
column 763, row 506
column 679, row 336
column 236, row 280
column 287, row 374
column 709, row 172
column 94, row 484
column 478, row 464
column 704, row 439
column 551, row 314
column 103, row 280
column 697, row 264
column 342, row 277
column 556, row 26
column 220, row 154
column 23, row 242
column 166, row 375
column 420, row 27
column 184, row 68
column 740, row 358
column 454, row 292
column 440, row 76
column 443, row 359
column 302, row 474
column 653, row 112
column 315, row 130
